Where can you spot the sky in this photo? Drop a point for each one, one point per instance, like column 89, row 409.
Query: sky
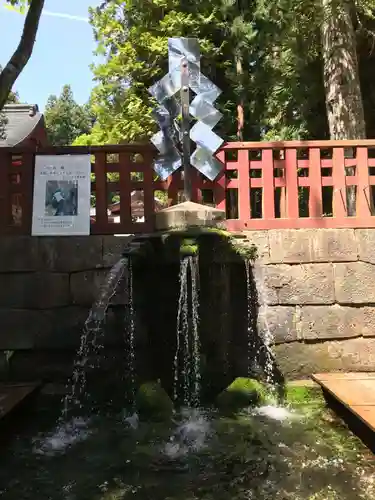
column 62, row 53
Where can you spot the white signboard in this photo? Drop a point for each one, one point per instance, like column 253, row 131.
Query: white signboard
column 62, row 189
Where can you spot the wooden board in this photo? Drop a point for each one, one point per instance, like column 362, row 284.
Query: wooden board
column 356, row 391
column 11, row 395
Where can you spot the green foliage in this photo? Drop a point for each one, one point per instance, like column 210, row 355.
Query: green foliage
column 65, row 119
column 265, row 56
column 13, row 98
column 275, row 84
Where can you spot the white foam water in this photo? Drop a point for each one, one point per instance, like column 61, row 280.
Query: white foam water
column 132, row 420
column 65, row 435
column 187, row 359
column 190, row 435
column 91, row 341
column 279, row 413
column 268, row 337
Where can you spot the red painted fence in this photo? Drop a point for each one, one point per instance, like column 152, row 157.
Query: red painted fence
column 262, row 185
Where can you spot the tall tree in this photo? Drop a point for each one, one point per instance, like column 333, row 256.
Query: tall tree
column 267, row 57
column 345, row 112
column 13, row 98
column 65, row 119
column 23, row 52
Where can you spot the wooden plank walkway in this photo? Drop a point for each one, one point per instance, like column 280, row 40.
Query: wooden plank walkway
column 12, row 395
column 356, row 391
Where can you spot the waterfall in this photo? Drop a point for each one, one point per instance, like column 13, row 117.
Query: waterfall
column 267, row 336
column 264, row 340
column 91, row 341
column 224, row 315
column 196, row 348
column 130, row 337
column 187, row 362
column 250, row 333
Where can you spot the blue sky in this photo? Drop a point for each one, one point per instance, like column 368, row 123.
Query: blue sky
column 62, row 54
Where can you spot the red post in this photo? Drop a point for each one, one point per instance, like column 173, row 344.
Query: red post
column 315, row 176
column 27, row 189
column 243, row 185
column 101, row 220
column 291, row 179
column 125, row 189
column 364, row 194
column 220, row 185
column 339, row 184
column 268, row 197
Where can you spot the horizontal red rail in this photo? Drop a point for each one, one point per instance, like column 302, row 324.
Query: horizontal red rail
column 263, row 185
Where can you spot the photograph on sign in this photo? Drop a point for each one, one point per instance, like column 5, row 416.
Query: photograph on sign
column 62, row 189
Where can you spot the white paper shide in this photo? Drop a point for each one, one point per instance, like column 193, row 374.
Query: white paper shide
column 62, row 189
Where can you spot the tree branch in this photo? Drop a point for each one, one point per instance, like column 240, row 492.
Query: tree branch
column 23, row 52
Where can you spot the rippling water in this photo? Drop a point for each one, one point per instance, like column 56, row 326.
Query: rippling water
column 271, row 452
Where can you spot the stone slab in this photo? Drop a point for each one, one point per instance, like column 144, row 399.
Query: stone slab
column 366, row 244
column 71, row 253
column 19, row 328
column 62, row 328
column 280, row 322
column 260, row 240
column 34, row 290
column 48, row 365
column 335, row 322
column 113, row 246
column 299, row 359
column 296, row 246
column 19, row 254
column 85, row 288
column 59, row 328
column 355, row 283
column 300, row 284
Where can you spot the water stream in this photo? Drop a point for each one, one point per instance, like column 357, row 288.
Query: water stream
column 263, row 355
column 187, row 359
column 267, row 336
column 129, row 339
column 91, row 342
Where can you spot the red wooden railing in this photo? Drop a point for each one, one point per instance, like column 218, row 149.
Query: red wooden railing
column 262, row 185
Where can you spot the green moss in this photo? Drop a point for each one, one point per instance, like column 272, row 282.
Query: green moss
column 189, row 247
column 246, row 252
column 153, row 403
column 302, row 395
column 242, row 392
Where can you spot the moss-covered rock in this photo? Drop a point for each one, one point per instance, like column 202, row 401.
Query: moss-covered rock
column 242, row 392
column 152, row 402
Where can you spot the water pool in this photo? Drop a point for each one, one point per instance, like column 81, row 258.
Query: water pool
column 302, row 452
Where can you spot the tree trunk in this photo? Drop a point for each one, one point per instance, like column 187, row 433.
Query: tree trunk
column 341, row 79
column 240, row 104
column 23, row 52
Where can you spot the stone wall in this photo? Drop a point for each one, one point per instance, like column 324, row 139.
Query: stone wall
column 47, row 286
column 316, row 293
column 318, row 297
